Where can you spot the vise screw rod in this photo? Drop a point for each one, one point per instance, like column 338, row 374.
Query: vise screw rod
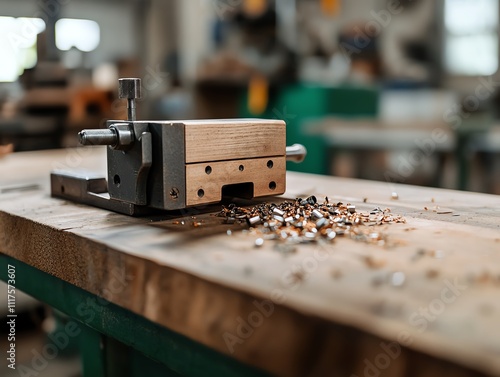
column 98, row 137
column 296, row 153
column 110, row 136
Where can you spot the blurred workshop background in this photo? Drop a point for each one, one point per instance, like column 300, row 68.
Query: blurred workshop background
column 398, row 91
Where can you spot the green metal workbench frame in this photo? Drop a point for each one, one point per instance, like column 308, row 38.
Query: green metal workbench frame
column 116, row 342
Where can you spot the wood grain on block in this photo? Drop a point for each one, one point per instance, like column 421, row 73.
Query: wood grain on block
column 204, row 182
column 231, row 140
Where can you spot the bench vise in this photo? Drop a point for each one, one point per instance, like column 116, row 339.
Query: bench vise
column 173, row 165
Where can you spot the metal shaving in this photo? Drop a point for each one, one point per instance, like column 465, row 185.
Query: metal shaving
column 306, row 221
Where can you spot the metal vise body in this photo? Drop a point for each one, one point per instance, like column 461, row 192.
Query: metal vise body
column 172, row 165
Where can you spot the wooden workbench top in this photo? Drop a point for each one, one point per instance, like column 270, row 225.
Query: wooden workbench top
column 434, row 286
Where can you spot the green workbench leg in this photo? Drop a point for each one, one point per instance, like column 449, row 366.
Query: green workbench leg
column 92, row 352
column 124, row 361
column 103, row 356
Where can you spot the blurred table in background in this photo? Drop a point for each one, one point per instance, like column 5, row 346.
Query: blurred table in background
column 48, row 118
column 430, row 139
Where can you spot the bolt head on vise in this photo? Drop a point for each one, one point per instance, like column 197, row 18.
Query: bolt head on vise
column 129, row 88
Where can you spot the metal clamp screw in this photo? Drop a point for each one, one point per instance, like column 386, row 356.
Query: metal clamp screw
column 130, row 88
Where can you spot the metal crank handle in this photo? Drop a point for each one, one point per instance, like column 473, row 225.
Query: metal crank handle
column 98, row 137
column 118, row 136
column 296, row 153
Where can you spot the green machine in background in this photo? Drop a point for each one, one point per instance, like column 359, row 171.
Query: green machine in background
column 297, row 103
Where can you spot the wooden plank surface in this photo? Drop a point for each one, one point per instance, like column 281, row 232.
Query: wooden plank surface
column 434, row 286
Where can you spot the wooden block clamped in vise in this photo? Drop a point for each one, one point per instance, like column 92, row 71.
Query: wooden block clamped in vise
column 172, row 165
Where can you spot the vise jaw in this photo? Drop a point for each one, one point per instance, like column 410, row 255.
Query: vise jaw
column 173, row 165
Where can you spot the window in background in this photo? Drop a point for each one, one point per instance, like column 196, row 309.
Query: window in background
column 84, row 35
column 18, row 45
column 471, row 39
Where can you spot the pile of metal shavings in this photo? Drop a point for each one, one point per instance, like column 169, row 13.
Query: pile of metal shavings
column 306, row 221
